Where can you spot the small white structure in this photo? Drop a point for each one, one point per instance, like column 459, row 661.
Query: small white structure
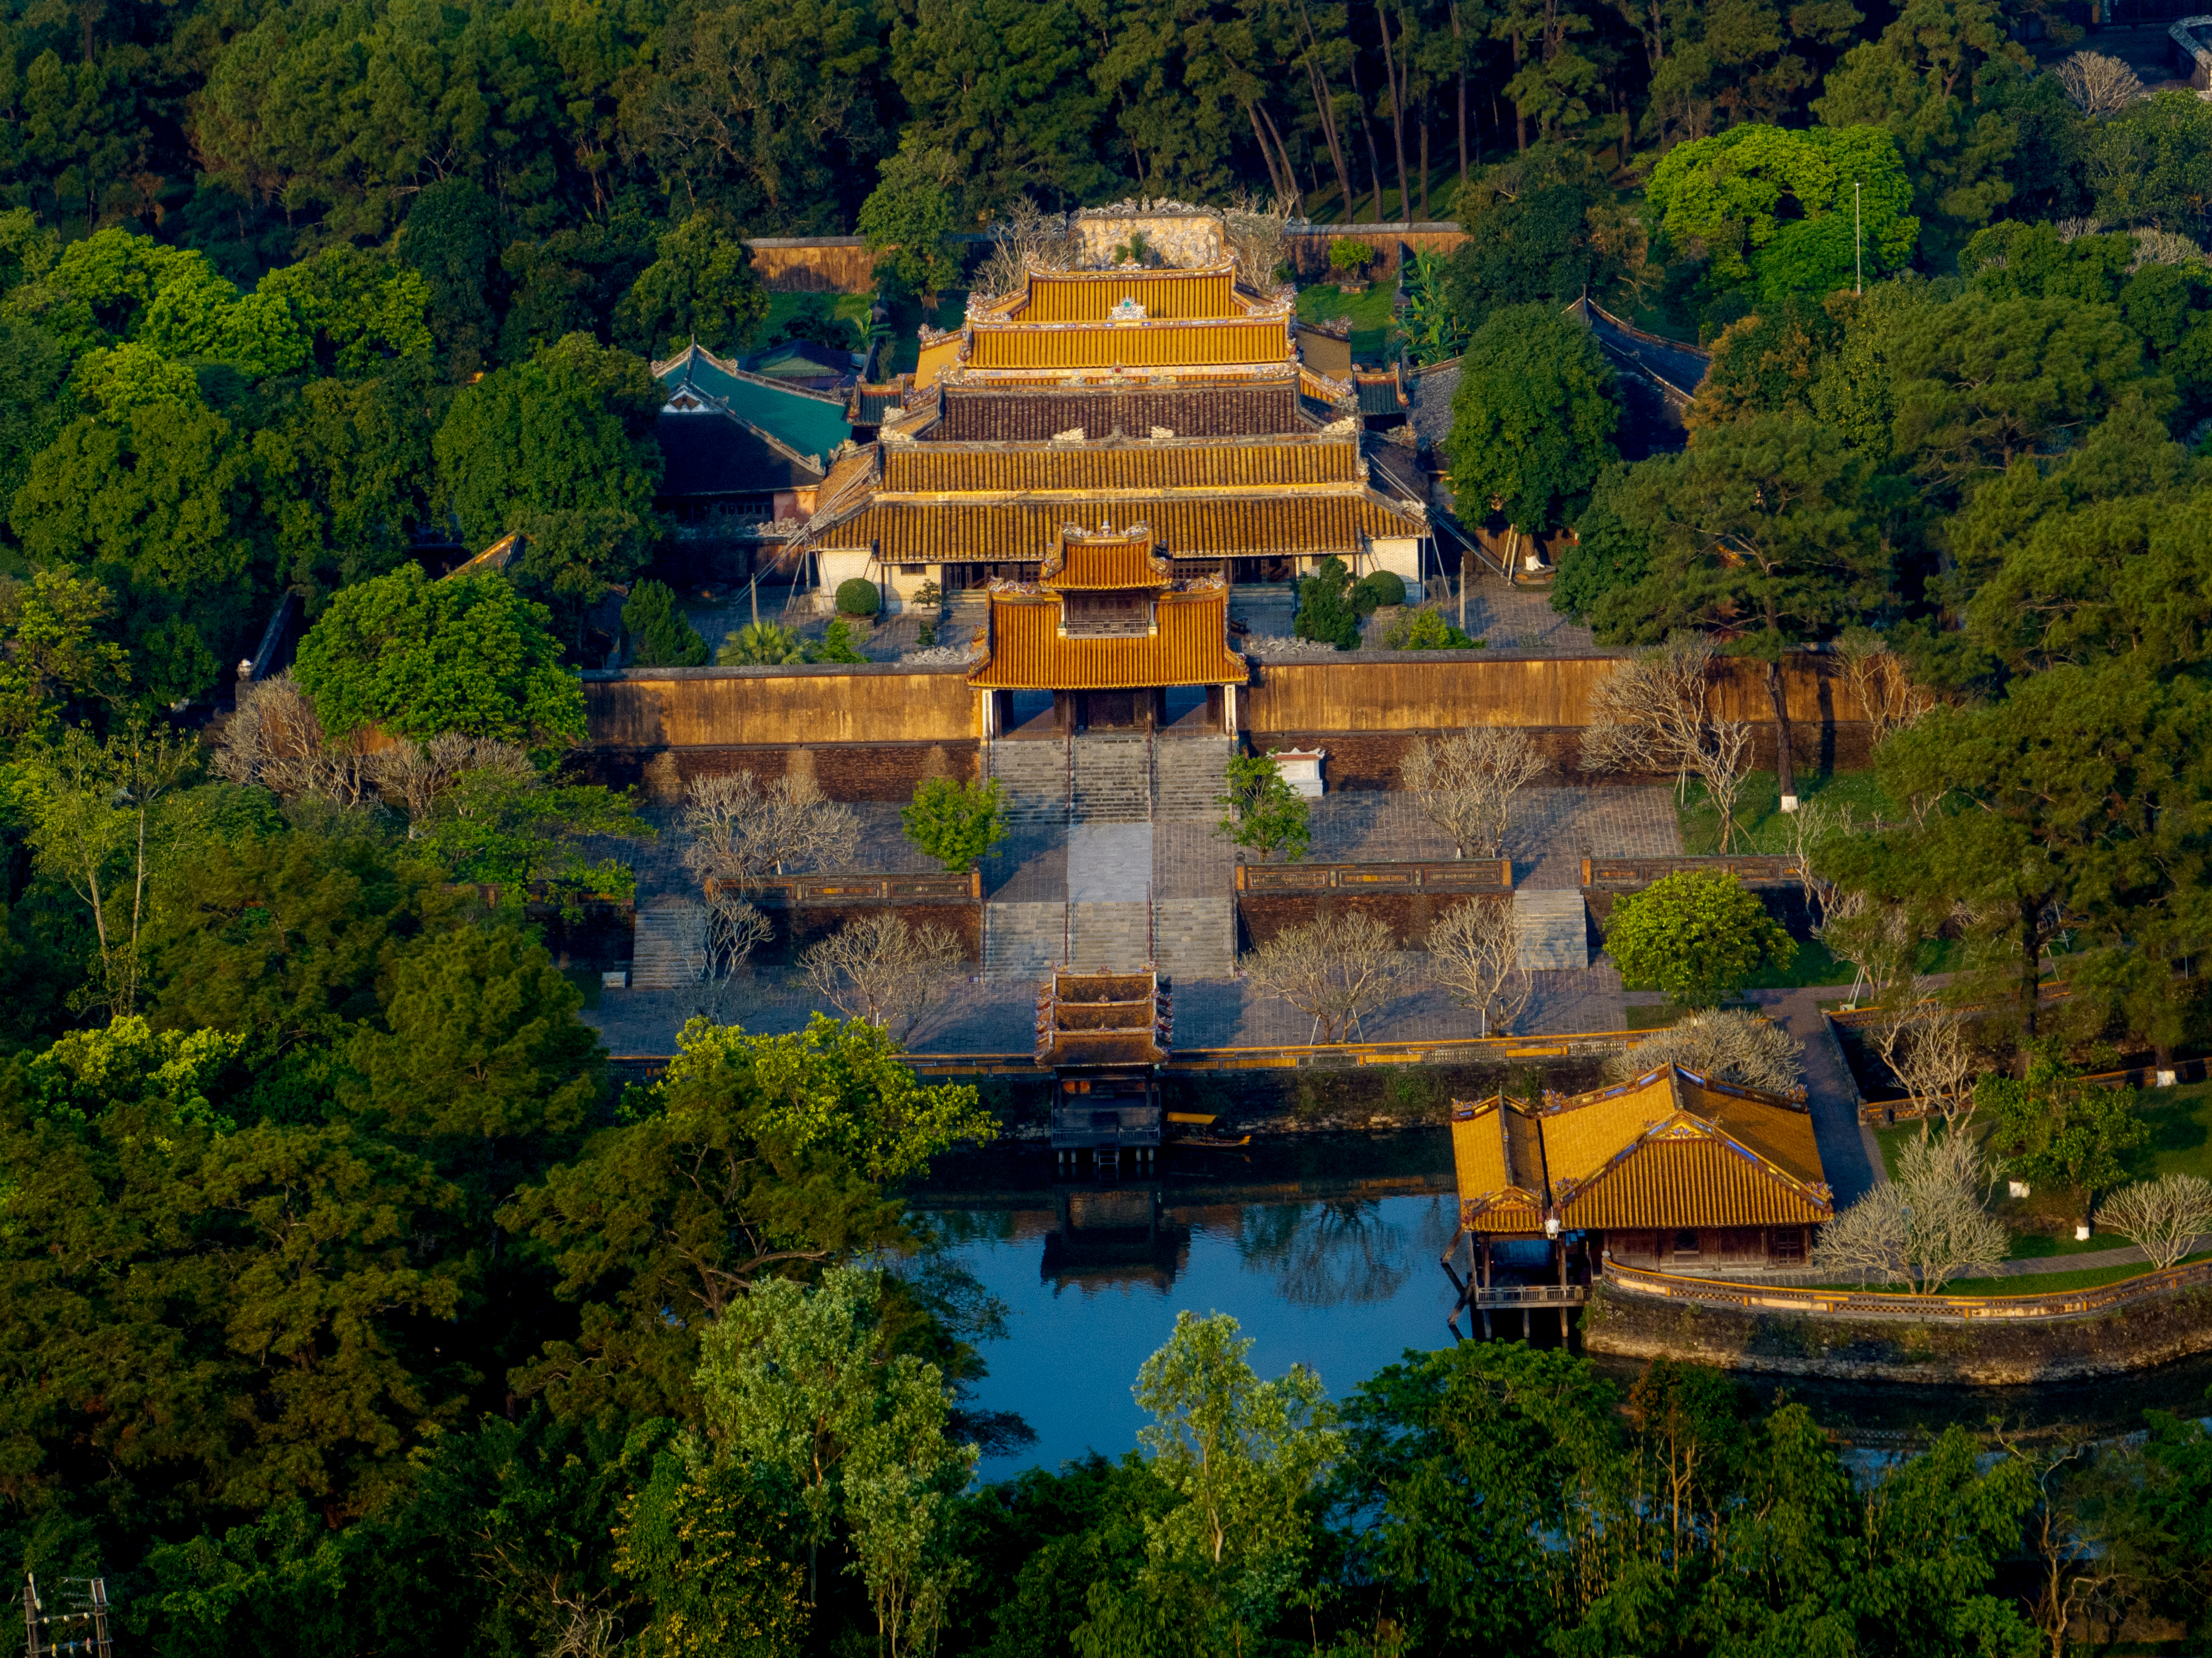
column 1301, row 769
column 615, row 978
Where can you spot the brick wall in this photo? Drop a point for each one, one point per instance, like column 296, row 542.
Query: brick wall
column 1261, row 915
column 801, row 926
column 1364, row 762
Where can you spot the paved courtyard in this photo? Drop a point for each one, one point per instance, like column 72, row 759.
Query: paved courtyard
column 1552, row 830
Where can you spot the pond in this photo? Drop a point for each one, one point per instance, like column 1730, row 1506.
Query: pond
column 1326, row 1256
column 1325, row 1249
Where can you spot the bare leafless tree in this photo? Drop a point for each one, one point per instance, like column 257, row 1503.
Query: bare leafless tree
column 1878, row 682
column 1728, row 1044
column 1335, row 970
column 2098, row 84
column 1877, row 937
column 737, row 832
column 276, row 740
column 1654, row 713
column 2162, row 1217
column 1475, row 952
column 1466, row 783
column 731, row 929
column 1926, row 1048
column 1027, row 234
column 880, row 970
column 1924, row 1228
column 1258, row 234
column 412, row 775
column 2164, row 247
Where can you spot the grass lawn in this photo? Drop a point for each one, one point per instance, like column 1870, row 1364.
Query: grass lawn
column 2041, row 1284
column 851, row 308
column 1371, row 324
column 1761, row 824
column 2042, row 1224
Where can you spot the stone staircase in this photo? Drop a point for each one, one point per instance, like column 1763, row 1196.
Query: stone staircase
column 1265, row 608
column 1196, row 938
column 1022, row 941
column 1113, row 778
column 1189, row 778
column 1108, row 937
column 668, row 946
column 1034, row 774
column 1554, row 935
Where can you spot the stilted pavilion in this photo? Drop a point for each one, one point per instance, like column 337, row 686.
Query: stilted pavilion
column 1672, row 1170
column 1104, row 1036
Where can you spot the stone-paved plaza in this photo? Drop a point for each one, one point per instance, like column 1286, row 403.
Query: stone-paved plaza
column 1553, row 830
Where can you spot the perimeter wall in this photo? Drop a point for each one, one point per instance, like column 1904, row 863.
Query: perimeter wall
column 872, row 732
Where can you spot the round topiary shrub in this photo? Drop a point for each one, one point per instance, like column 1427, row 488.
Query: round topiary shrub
column 1376, row 589
column 858, row 598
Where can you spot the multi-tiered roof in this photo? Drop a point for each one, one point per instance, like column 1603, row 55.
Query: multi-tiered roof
column 1669, row 1148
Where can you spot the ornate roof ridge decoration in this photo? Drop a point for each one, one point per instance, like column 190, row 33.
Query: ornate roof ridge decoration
column 1045, row 381
column 1083, row 561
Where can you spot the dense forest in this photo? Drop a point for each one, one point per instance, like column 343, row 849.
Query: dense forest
column 346, row 1303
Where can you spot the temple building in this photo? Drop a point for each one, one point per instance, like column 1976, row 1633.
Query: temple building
column 1106, row 453
column 1175, row 398
column 1105, row 1037
column 1672, row 1171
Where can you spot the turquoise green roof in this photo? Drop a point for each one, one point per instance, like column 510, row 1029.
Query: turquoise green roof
column 812, row 425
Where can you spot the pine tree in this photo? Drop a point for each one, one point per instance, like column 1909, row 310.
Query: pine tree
column 659, row 637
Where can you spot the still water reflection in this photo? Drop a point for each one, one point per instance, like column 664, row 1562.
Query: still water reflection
column 1326, row 1252
column 1093, row 1280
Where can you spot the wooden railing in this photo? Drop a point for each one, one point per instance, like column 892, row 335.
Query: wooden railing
column 1526, row 1295
column 842, row 887
column 1777, row 1299
column 1643, row 871
column 1462, row 875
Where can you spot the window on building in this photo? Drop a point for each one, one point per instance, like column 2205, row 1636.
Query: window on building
column 1095, row 616
column 1686, row 1244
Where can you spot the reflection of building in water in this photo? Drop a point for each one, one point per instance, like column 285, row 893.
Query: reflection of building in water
column 1114, row 1235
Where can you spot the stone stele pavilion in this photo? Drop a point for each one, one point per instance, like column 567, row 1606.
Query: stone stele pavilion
column 1104, row 452
column 1671, row 1171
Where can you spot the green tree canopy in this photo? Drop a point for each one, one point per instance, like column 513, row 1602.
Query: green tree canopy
column 1699, row 937
column 1533, row 419
column 1731, row 193
column 414, row 656
column 569, row 431
column 700, row 288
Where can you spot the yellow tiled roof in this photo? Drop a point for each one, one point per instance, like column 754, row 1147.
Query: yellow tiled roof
column 1108, row 345
column 1091, row 296
column 1249, row 526
column 1103, row 562
column 1666, row 1149
column 1188, row 646
column 1497, row 1157
column 960, row 469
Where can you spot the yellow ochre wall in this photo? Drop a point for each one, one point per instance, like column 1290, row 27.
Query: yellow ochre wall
column 710, row 708
column 1535, row 691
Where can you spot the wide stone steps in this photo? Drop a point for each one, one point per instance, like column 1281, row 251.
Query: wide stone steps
column 1191, row 775
column 1034, row 774
column 1196, row 938
column 1113, row 780
column 668, row 945
column 1022, row 941
column 1554, row 934
column 1108, row 938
